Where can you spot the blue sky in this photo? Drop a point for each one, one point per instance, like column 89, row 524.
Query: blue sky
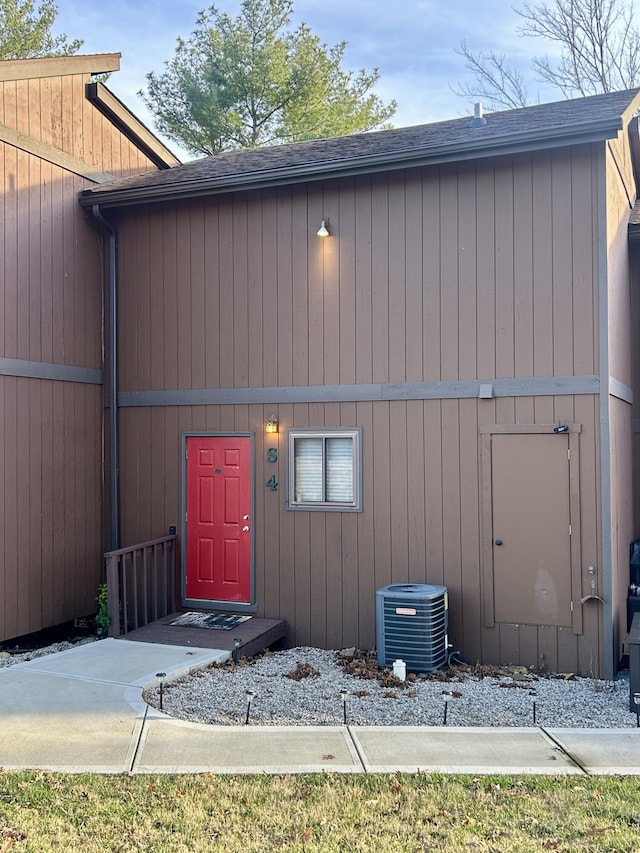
column 412, row 42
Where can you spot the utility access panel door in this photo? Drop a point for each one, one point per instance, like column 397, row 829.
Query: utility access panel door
column 218, row 561
column 531, row 528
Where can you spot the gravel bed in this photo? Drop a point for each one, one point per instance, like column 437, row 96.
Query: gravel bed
column 12, row 658
column 472, row 696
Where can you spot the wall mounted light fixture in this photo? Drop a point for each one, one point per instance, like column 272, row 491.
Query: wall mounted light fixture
column 323, row 231
column 271, row 425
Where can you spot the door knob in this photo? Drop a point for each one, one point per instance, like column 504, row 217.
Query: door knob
column 498, row 541
column 245, row 529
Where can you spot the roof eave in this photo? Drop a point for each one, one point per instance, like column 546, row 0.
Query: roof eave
column 596, row 131
column 121, row 116
column 58, row 66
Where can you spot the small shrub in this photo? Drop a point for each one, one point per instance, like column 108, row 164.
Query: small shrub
column 102, row 617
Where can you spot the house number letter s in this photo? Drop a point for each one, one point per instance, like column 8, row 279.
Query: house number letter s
column 272, row 456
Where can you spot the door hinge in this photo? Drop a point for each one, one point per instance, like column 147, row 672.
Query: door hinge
column 572, row 606
column 569, row 530
column 569, row 454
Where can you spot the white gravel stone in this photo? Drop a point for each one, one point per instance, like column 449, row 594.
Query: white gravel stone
column 10, row 659
column 219, row 696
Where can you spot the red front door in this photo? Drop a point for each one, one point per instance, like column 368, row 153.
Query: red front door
column 218, row 518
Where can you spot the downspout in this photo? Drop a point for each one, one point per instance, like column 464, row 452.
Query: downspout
column 112, row 373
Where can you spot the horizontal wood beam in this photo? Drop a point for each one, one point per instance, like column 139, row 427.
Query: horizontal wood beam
column 53, row 155
column 59, row 66
column 47, row 370
column 454, row 390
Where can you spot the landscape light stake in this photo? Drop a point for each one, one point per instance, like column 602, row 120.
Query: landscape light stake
column 534, row 694
column 343, row 695
column 161, row 675
column 636, row 702
column 236, row 650
column 446, row 694
column 250, row 695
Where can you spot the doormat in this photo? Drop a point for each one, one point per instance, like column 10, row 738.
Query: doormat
column 217, row 621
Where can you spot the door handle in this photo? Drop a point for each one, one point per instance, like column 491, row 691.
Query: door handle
column 245, row 529
column 498, row 542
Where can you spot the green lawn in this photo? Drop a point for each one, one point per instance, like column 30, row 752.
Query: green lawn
column 50, row 811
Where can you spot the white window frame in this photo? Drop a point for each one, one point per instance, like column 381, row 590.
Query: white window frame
column 355, row 434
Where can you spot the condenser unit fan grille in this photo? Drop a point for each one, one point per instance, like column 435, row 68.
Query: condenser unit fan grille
column 412, row 624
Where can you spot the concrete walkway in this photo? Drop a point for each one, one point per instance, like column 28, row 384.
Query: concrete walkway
column 81, row 711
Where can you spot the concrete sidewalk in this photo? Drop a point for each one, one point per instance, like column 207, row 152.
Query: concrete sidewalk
column 81, row 711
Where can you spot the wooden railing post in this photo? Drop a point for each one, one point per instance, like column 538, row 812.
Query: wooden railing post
column 113, row 594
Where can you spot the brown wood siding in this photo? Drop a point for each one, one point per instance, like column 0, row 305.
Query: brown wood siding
column 50, row 502
column 635, row 367
column 619, row 207
column 52, row 275
column 620, row 198
column 51, row 278
column 54, row 110
column 622, row 516
column 420, row 522
column 483, row 271
column 502, row 285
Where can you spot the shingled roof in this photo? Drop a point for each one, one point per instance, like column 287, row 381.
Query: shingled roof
column 543, row 126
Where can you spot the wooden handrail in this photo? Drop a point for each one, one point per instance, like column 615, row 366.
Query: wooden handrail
column 141, row 584
column 128, row 550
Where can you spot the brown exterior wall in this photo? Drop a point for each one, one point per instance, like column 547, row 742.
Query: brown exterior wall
column 421, row 518
column 620, row 195
column 451, row 274
column 54, row 111
column 51, row 266
column 485, row 271
column 50, row 502
column 51, row 270
column 622, row 517
column 635, row 324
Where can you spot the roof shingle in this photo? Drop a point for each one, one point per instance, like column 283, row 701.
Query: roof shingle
column 561, row 122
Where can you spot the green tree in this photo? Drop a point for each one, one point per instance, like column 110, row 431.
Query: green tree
column 597, row 49
column 251, row 80
column 25, row 32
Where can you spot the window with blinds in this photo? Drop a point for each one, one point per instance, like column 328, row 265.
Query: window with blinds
column 324, row 469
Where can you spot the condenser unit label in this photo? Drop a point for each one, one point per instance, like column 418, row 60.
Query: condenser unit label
column 406, row 611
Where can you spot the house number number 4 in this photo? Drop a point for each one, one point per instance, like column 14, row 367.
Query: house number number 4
column 272, row 456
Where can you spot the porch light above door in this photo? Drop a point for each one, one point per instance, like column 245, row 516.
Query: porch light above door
column 271, row 425
column 323, row 231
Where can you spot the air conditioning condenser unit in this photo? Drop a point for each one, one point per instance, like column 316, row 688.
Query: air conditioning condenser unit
column 411, row 624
